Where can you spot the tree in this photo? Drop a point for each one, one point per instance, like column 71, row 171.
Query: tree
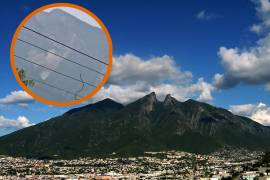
column 226, row 178
column 22, row 75
column 266, row 159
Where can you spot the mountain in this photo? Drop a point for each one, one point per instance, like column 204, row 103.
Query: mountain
column 145, row 125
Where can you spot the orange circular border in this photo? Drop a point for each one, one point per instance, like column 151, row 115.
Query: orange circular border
column 44, row 100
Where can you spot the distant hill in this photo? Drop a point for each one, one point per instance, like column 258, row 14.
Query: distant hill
column 145, row 125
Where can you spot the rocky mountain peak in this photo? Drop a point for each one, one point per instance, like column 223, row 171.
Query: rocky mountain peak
column 152, row 97
column 150, row 100
column 169, row 100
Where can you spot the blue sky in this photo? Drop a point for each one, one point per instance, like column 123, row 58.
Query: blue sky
column 190, row 33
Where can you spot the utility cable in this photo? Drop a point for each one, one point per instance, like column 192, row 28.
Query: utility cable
column 26, row 60
column 33, row 45
column 36, row 32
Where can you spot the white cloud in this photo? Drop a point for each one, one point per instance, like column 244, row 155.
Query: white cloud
column 218, row 81
column 262, row 116
column 205, row 16
column 23, row 104
column 200, row 90
column 133, row 77
column 78, row 14
column 129, row 68
column 250, row 65
column 127, row 94
column 20, row 122
column 256, row 28
column 263, row 12
column 258, row 112
column 201, row 15
column 17, row 97
column 119, row 93
column 245, row 66
column 244, row 109
column 205, row 90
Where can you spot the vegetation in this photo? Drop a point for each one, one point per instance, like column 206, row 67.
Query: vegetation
column 107, row 128
column 22, row 75
column 266, row 158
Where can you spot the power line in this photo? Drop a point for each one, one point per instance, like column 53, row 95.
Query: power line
column 33, row 45
column 77, row 92
column 50, row 85
column 24, row 59
column 64, row 45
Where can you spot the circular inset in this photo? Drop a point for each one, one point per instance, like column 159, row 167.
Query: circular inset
column 61, row 54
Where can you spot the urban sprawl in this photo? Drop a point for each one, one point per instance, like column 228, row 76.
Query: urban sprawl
column 225, row 164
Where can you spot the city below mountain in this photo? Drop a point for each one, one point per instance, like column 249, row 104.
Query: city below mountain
column 107, row 128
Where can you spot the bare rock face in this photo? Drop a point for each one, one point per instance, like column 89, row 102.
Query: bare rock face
column 169, row 100
column 150, row 101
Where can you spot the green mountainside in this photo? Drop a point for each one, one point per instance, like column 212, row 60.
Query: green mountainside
column 145, row 125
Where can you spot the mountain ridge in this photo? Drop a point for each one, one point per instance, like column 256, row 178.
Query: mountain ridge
column 146, row 124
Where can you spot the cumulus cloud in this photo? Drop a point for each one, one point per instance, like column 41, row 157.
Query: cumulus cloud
column 263, row 13
column 206, row 16
column 20, row 122
column 258, row 112
column 17, row 97
column 129, row 68
column 205, row 90
column 243, row 109
column 247, row 66
column 126, row 94
column 133, row 77
column 119, row 93
column 201, row 90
